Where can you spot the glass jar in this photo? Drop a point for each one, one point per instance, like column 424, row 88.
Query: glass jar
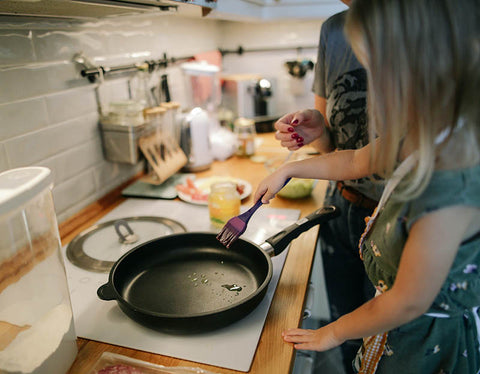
column 171, row 127
column 245, row 132
column 128, row 113
column 155, row 117
column 223, row 203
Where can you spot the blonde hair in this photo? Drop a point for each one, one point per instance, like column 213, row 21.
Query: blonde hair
column 423, row 63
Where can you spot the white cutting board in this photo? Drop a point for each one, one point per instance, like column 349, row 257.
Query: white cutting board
column 231, row 347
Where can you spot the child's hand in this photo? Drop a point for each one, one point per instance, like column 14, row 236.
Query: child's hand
column 268, row 187
column 313, row 340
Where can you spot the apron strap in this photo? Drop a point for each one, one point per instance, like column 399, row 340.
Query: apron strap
column 374, row 347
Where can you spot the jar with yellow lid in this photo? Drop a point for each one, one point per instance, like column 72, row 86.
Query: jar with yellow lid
column 244, row 129
column 223, row 203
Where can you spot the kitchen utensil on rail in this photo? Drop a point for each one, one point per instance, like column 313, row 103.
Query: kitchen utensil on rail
column 236, row 226
column 188, row 283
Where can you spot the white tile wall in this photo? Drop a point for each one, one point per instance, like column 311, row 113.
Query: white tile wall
column 271, row 64
column 48, row 112
column 22, row 117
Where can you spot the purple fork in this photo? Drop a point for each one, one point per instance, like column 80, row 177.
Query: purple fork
column 236, row 226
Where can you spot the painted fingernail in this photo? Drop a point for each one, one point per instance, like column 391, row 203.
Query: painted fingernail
column 294, row 136
column 299, row 139
column 291, row 129
column 295, row 122
column 300, row 144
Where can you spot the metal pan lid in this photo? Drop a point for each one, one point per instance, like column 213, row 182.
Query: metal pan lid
column 98, row 247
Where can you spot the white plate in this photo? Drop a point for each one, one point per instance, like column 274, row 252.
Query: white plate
column 204, row 184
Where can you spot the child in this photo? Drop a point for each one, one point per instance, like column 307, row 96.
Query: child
column 421, row 247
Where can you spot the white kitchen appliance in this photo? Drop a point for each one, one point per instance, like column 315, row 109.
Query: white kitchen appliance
column 249, row 95
column 195, row 139
column 37, row 332
column 199, row 120
column 231, row 347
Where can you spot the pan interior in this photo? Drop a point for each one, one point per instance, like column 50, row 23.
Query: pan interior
column 194, row 280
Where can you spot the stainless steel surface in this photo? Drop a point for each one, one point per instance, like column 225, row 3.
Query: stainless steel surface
column 120, row 142
column 86, row 9
column 240, row 96
column 267, row 248
column 77, row 253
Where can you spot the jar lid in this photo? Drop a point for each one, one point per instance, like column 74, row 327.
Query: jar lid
column 244, row 122
column 170, row 105
column 18, row 186
column 154, row 110
column 124, row 107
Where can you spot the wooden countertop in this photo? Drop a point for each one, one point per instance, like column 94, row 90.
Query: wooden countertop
column 273, row 356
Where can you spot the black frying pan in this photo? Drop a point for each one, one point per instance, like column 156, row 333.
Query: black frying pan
column 190, row 282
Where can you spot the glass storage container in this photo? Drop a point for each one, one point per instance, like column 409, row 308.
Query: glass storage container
column 223, row 203
column 172, row 125
column 37, row 332
column 244, row 129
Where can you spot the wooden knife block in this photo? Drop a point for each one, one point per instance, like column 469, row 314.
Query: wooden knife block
column 164, row 156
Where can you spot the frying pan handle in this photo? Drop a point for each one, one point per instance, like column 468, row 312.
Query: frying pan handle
column 281, row 240
column 106, row 292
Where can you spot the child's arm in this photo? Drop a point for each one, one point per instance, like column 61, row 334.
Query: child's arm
column 341, row 165
column 426, row 260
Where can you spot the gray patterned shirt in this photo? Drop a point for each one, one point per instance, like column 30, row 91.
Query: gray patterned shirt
column 342, row 80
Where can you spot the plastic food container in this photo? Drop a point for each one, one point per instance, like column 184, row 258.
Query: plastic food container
column 37, row 332
column 111, row 363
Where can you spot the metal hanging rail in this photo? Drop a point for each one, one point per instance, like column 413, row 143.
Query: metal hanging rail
column 240, row 50
column 92, row 73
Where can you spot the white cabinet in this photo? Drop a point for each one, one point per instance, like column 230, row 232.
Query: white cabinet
column 276, row 9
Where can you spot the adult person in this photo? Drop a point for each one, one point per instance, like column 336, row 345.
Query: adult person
column 421, row 247
column 339, row 122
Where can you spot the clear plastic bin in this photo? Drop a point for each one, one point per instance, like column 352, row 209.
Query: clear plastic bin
column 110, row 363
column 37, row 332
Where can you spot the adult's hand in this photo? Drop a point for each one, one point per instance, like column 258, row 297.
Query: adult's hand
column 299, row 128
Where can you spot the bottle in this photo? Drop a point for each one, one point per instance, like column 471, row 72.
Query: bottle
column 223, row 203
column 245, row 131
